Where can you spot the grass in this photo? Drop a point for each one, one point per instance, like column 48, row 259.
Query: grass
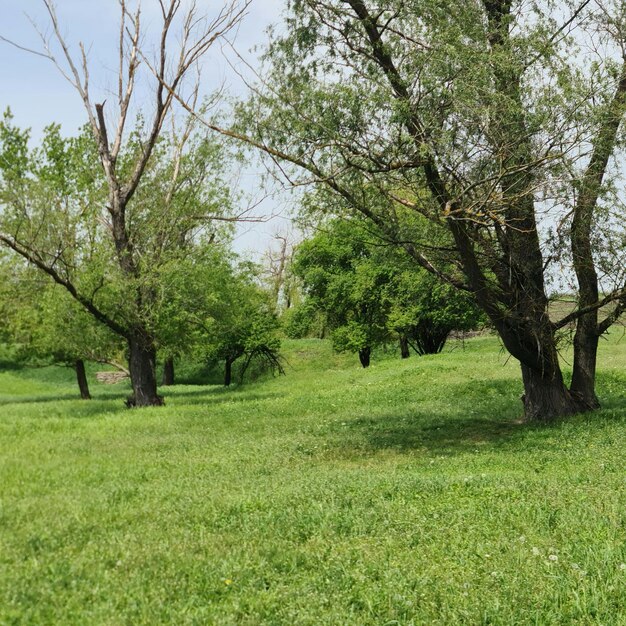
column 403, row 494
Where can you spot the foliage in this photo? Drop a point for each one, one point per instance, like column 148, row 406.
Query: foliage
column 366, row 290
column 215, row 311
column 243, row 324
column 477, row 117
column 342, row 279
column 44, row 324
column 426, row 310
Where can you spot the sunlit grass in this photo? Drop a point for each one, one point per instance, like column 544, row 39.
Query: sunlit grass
column 408, row 493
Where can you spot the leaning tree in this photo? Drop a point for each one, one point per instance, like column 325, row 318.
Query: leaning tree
column 507, row 113
column 103, row 212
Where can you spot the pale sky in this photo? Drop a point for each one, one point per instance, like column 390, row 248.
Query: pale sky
column 38, row 95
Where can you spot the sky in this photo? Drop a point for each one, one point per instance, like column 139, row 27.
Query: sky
column 38, row 94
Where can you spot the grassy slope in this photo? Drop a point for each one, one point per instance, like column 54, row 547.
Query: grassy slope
column 405, row 494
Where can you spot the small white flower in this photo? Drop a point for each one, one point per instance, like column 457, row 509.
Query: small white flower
column 554, row 558
column 622, row 566
column 522, row 539
column 536, row 551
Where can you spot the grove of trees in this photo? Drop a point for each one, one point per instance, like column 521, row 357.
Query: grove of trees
column 369, row 292
column 461, row 154
column 498, row 120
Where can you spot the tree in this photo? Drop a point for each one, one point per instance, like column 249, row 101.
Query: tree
column 52, row 215
column 214, row 310
column 277, row 275
column 368, row 290
column 113, row 206
column 44, row 324
column 242, row 325
column 344, row 281
column 489, row 106
column 424, row 310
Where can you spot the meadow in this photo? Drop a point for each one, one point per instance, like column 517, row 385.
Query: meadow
column 409, row 493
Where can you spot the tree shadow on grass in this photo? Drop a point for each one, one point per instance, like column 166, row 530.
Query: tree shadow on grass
column 211, row 396
column 117, row 394
column 449, row 435
column 488, row 414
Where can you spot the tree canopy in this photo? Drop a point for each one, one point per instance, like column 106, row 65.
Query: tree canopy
column 485, row 117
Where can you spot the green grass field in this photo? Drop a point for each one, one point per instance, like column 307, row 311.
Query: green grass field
column 408, row 493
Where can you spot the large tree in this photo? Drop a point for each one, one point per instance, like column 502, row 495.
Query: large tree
column 55, row 214
column 126, row 213
column 494, row 109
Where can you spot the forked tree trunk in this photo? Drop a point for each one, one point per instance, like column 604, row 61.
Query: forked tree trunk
column 430, row 339
column 168, row 372
column 142, row 364
column 364, row 356
column 81, row 378
column 404, row 347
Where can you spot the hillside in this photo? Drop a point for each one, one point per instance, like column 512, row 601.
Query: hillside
column 408, row 493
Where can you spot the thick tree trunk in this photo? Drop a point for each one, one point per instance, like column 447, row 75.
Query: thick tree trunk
column 364, row 356
column 168, row 372
column 546, row 397
column 81, row 377
column 404, row 347
column 142, row 363
column 228, row 372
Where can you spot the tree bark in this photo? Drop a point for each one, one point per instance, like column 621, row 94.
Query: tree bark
column 228, row 372
column 81, row 377
column 142, row 363
column 587, row 327
column 546, row 397
column 405, row 353
column 364, row 356
column 583, row 384
column 168, row 372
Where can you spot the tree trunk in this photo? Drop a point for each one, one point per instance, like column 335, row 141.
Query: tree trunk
column 81, row 377
column 228, row 372
column 142, row 372
column 585, row 358
column 546, row 397
column 364, row 356
column 168, row 372
column 404, row 347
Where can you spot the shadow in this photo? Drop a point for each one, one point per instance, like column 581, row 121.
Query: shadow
column 71, row 409
column 489, row 418
column 7, row 365
column 447, row 435
column 213, row 396
column 37, row 399
column 67, row 397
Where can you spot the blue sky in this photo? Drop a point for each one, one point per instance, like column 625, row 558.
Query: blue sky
column 39, row 95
